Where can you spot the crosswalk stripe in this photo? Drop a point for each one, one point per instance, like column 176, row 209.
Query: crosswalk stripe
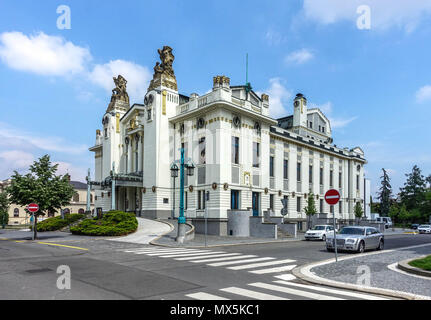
column 207, row 256
column 166, row 253
column 274, row 270
column 158, row 250
column 252, row 294
column 205, row 296
column 295, row 292
column 263, row 264
column 189, row 254
column 334, row 291
column 219, row 264
column 286, row 277
column 233, row 256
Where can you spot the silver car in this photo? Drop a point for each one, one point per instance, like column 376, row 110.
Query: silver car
column 356, row 239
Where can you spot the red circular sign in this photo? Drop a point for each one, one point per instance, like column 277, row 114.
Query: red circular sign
column 332, row 197
column 33, row 207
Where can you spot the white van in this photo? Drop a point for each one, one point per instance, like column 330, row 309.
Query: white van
column 386, row 220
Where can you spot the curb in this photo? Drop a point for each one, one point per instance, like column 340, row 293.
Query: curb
column 404, row 265
column 304, row 273
column 171, row 226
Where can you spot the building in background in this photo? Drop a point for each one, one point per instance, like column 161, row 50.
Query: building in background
column 18, row 215
column 243, row 157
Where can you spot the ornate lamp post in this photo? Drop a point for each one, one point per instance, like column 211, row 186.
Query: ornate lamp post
column 174, row 175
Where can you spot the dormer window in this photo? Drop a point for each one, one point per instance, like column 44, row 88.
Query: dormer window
column 148, row 113
column 311, row 125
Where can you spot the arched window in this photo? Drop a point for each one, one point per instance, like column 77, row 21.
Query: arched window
column 91, row 198
column 81, row 211
column 66, row 211
column 75, row 198
column 16, row 212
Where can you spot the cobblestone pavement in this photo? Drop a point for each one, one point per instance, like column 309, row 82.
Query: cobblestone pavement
column 381, row 276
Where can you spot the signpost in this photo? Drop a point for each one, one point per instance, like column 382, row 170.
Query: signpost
column 207, row 198
column 284, row 210
column 33, row 208
column 332, row 197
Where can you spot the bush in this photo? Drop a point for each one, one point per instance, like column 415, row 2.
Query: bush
column 56, row 223
column 114, row 223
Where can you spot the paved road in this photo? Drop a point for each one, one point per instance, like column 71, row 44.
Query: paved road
column 103, row 269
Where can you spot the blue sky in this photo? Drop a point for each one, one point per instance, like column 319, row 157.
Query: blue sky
column 374, row 84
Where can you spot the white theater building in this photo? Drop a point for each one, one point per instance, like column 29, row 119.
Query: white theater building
column 245, row 158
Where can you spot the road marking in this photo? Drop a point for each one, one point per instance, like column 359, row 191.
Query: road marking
column 218, row 264
column 286, row 277
column 334, row 291
column 263, row 264
column 252, row 294
column 189, row 254
column 207, row 256
column 62, row 245
column 235, row 256
column 295, row 292
column 156, row 250
column 274, row 270
column 165, row 253
column 204, row 296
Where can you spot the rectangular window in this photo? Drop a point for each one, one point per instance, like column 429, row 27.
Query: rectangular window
column 202, row 156
column 340, row 207
column 271, row 202
column 235, row 150
column 271, row 166
column 199, row 200
column 332, row 209
column 357, row 182
column 310, row 174
column 285, row 169
column 321, row 206
column 321, row 176
column 340, row 180
column 298, row 204
column 186, row 205
column 298, row 172
column 331, row 178
column 256, row 154
column 234, row 205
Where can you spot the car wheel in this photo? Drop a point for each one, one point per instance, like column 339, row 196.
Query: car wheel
column 381, row 245
column 361, row 247
column 324, row 238
column 330, row 250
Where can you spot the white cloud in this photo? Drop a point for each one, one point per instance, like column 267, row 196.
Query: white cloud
column 279, row 95
column 384, row 13
column 14, row 160
column 273, row 37
column 76, row 173
column 336, row 122
column 326, row 108
column 299, row 57
column 10, row 136
column 138, row 77
column 42, row 54
column 423, row 94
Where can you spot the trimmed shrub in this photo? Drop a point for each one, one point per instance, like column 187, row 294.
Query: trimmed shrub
column 114, row 223
column 56, row 223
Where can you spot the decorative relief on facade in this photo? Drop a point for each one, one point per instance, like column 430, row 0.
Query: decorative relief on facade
column 163, row 72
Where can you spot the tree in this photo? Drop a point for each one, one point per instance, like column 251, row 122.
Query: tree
column 4, row 209
column 404, row 214
column 385, row 194
column 41, row 186
column 413, row 192
column 358, row 211
column 310, row 209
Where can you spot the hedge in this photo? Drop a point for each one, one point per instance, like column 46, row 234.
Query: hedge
column 57, row 223
column 113, row 223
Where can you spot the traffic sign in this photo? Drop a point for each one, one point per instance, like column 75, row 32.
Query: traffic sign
column 33, row 207
column 332, row 197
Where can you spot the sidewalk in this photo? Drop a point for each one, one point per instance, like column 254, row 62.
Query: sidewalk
column 385, row 277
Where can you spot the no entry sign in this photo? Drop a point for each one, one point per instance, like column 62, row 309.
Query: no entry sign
column 33, row 207
column 332, row 197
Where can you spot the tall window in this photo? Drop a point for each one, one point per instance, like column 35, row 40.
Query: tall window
column 357, row 182
column 285, row 169
column 16, row 212
column 340, row 207
column 340, row 179
column 321, row 206
column 234, row 204
column 201, row 200
column 332, row 209
column 256, row 154
column 235, row 150
column 271, row 202
column 321, row 176
column 137, row 154
column 271, row 166
column 298, row 204
column 310, row 174
column 202, row 156
column 75, row 197
column 186, row 201
column 298, row 172
column 331, row 178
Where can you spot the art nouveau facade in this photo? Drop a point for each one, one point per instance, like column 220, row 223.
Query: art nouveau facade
column 245, row 158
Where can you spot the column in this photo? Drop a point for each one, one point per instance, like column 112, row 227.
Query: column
column 140, row 157
column 88, row 209
column 129, row 156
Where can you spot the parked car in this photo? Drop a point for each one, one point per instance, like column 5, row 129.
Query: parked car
column 424, row 228
column 386, row 220
column 356, row 238
column 414, row 226
column 319, row 232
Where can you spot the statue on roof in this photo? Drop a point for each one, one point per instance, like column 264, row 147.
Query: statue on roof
column 163, row 72
column 120, row 92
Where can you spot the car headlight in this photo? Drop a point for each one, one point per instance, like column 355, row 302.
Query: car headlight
column 350, row 240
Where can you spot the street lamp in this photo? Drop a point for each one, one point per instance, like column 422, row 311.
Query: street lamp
column 190, row 168
column 174, row 175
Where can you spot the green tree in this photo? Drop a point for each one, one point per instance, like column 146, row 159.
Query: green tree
column 404, row 214
column 4, row 209
column 358, row 211
column 394, row 213
column 385, row 194
column 41, row 186
column 310, row 210
column 413, row 193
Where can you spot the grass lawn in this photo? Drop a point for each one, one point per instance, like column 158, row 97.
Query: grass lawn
column 424, row 263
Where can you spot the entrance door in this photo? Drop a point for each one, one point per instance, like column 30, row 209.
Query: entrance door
column 255, row 204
